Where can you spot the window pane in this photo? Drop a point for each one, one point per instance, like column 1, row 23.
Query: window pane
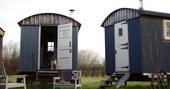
column 120, row 32
column 50, row 46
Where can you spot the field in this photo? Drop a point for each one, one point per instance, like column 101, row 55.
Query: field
column 93, row 83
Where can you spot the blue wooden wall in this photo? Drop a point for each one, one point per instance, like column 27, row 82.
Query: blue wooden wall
column 109, row 50
column 29, row 48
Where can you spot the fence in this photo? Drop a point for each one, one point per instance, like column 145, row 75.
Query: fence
column 93, row 73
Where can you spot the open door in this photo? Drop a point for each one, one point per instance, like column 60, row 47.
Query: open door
column 48, row 48
column 121, row 46
column 64, row 57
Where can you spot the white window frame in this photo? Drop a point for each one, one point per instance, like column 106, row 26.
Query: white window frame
column 165, row 29
column 50, row 46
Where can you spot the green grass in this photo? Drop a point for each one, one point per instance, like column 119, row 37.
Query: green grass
column 94, row 82
column 91, row 82
column 137, row 85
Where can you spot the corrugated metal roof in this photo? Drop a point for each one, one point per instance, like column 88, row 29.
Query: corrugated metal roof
column 129, row 13
column 48, row 19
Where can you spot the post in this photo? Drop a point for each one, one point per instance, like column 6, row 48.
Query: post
column 71, row 12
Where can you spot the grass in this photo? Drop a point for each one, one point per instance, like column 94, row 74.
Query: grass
column 137, row 85
column 94, row 82
column 91, row 82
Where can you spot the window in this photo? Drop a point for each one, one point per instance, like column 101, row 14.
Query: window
column 120, row 32
column 166, row 29
column 50, row 46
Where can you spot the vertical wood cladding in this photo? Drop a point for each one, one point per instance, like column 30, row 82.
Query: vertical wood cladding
column 155, row 51
column 110, row 50
column 29, row 48
column 134, row 46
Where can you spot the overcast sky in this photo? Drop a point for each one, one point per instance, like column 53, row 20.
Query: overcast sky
column 90, row 13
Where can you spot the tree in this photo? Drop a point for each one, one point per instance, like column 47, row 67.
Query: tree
column 11, row 57
column 89, row 62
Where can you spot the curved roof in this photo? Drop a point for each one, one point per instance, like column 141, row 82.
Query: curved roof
column 48, row 19
column 129, row 13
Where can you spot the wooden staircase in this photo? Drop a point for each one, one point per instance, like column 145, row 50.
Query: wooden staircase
column 117, row 79
column 47, row 75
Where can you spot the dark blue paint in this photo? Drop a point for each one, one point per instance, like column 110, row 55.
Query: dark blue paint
column 29, row 48
column 109, row 48
column 148, row 50
column 134, row 46
column 74, row 47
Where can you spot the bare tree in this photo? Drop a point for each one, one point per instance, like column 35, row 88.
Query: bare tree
column 89, row 62
column 11, row 57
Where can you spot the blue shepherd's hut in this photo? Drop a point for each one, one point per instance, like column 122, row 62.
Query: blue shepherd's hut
column 137, row 41
column 48, row 43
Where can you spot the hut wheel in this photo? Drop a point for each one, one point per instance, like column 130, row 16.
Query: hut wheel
column 164, row 80
column 155, row 81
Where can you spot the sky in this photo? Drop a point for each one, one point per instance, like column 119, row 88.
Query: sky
column 90, row 13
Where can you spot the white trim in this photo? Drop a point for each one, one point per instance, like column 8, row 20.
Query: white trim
column 39, row 46
column 64, row 63
column 122, row 55
column 164, row 30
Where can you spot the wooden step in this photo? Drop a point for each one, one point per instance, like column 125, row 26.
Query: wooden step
column 118, row 77
column 47, row 76
column 122, row 80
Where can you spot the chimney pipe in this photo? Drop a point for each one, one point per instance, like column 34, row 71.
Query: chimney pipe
column 141, row 5
column 71, row 12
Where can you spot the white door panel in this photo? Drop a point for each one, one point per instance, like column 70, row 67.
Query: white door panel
column 66, row 43
column 121, row 46
column 64, row 53
column 64, row 56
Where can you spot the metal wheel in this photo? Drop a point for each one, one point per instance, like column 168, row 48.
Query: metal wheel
column 155, row 81
column 164, row 80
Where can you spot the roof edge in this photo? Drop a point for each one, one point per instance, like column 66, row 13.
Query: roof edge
column 19, row 23
column 2, row 29
column 102, row 25
column 2, row 32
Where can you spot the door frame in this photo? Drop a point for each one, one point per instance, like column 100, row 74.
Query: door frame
column 116, row 28
column 39, row 47
column 39, row 43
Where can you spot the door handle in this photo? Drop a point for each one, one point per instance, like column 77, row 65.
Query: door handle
column 125, row 67
column 70, row 50
column 125, row 47
column 124, row 44
column 69, row 43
